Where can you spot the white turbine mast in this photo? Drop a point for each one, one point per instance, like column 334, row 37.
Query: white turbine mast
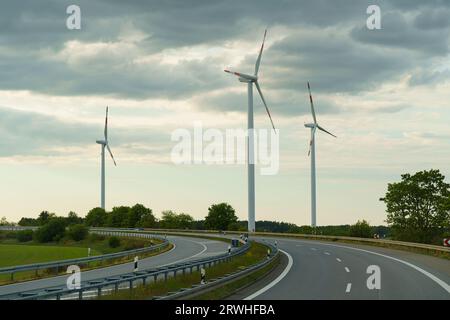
column 105, row 144
column 312, row 153
column 250, row 80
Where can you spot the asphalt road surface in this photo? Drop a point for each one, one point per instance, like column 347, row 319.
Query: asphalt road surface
column 321, row 270
column 185, row 249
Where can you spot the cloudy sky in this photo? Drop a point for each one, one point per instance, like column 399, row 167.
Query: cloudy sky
column 159, row 66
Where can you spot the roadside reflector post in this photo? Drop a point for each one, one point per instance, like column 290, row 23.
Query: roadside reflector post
column 229, row 249
column 136, row 260
column 268, row 253
column 89, row 252
column 202, row 276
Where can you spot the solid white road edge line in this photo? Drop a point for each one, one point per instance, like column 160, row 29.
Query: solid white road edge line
column 274, row 282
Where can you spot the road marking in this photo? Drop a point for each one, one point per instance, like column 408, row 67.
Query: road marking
column 339, row 260
column 327, row 253
column 349, row 287
column 347, row 269
column 314, row 249
column 443, row 284
column 274, row 282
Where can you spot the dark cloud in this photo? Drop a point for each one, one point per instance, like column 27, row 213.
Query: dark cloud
column 398, row 32
column 317, row 47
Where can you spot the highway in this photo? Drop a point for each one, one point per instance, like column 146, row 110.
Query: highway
column 321, row 270
column 185, row 249
column 309, row 270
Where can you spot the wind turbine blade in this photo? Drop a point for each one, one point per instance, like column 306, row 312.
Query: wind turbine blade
column 106, row 125
column 232, row 72
column 322, row 129
column 312, row 104
column 109, row 150
column 265, row 104
column 258, row 61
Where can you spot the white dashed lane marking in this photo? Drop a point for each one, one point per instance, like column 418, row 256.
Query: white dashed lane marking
column 338, row 260
column 347, row 269
column 349, row 287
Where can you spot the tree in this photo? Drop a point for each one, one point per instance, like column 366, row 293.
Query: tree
column 44, row 217
column 361, row 229
column 172, row 220
column 73, row 218
column 4, row 222
column 77, row 232
column 220, row 216
column 184, row 221
column 118, row 218
column 53, row 230
column 96, row 217
column 137, row 213
column 418, row 207
column 27, row 222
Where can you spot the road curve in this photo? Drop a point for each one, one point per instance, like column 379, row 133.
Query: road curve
column 322, row 270
column 185, row 249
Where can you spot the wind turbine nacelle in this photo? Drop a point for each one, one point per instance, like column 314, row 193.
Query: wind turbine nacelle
column 310, row 125
column 101, row 142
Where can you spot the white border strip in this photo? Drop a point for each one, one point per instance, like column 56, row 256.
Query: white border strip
column 274, row 282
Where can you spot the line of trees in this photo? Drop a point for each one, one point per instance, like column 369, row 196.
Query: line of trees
column 418, row 210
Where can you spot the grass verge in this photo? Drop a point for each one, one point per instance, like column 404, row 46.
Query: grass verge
column 47, row 249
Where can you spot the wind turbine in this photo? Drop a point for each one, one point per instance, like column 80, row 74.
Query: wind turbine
column 312, row 153
column 250, row 80
column 104, row 143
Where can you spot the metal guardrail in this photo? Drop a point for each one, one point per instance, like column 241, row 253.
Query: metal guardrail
column 79, row 261
column 98, row 285
column 195, row 290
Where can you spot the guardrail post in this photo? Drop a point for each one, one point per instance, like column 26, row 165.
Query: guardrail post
column 99, row 291
column 12, row 276
column 58, row 296
column 80, row 295
column 131, row 285
column 116, row 288
column 154, row 278
column 144, row 281
column 165, row 276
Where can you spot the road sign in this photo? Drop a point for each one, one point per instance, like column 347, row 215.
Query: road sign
column 447, row 242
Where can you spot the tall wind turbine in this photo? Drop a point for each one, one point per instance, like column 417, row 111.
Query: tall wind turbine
column 312, row 153
column 250, row 80
column 104, row 143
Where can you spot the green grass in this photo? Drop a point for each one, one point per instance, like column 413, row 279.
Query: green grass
column 256, row 253
column 18, row 254
column 13, row 253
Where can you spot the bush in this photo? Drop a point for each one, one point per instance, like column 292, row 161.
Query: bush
column 52, row 231
column 114, row 242
column 361, row 229
column 77, row 232
column 25, row 235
